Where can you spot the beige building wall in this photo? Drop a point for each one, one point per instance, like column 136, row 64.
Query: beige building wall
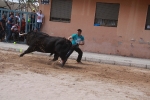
column 129, row 38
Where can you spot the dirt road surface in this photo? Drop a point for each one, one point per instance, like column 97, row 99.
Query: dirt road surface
column 35, row 77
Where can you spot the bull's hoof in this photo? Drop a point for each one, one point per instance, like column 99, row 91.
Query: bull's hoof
column 21, row 55
column 55, row 59
column 51, row 54
column 63, row 63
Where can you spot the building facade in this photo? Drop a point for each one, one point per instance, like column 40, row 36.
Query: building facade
column 115, row 27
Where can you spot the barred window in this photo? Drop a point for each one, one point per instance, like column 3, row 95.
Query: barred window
column 61, row 10
column 106, row 14
column 147, row 26
column 45, row 1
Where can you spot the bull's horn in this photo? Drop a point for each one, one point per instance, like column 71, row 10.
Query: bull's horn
column 22, row 34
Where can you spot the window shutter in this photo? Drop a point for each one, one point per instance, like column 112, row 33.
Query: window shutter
column 61, row 9
column 107, row 11
column 148, row 16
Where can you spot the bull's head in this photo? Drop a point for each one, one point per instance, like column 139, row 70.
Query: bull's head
column 68, row 42
column 67, row 45
column 28, row 36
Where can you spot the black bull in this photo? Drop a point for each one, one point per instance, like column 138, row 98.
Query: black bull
column 41, row 42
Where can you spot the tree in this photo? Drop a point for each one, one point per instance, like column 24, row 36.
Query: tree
column 27, row 5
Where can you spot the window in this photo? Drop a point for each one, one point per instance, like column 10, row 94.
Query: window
column 61, row 10
column 106, row 14
column 147, row 26
column 45, row 1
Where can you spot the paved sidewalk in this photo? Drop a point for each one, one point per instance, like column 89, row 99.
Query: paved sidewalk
column 93, row 57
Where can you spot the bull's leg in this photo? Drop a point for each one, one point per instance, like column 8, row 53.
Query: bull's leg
column 51, row 54
column 29, row 50
column 55, row 57
column 61, row 54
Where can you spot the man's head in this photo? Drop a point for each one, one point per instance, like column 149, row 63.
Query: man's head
column 79, row 31
column 11, row 15
column 40, row 11
column 3, row 17
column 17, row 14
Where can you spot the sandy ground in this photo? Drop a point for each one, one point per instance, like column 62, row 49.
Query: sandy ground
column 35, row 77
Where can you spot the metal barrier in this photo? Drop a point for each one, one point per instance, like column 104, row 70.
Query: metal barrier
column 26, row 15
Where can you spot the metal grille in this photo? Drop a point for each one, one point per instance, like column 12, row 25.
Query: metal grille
column 107, row 11
column 107, row 14
column 61, row 10
column 25, row 15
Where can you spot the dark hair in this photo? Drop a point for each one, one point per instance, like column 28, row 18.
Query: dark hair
column 79, row 30
column 4, row 15
column 11, row 14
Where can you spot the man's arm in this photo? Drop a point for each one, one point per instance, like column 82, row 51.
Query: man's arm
column 43, row 19
column 9, row 21
column 1, row 25
column 70, row 37
column 81, row 43
column 12, row 28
